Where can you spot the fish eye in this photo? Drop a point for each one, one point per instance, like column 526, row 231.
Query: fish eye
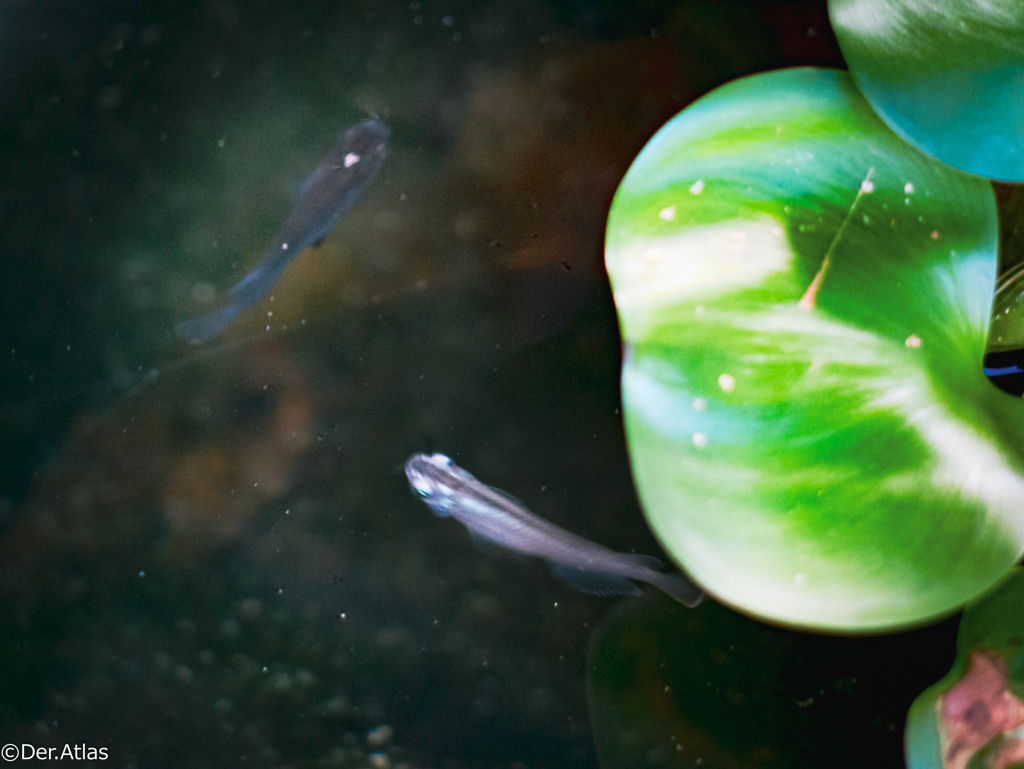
column 421, row 486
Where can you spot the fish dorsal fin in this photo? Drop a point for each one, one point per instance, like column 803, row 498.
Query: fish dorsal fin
column 594, row 582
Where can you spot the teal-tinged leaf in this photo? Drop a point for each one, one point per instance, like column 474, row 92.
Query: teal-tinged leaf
column 804, row 302
column 947, row 75
column 974, row 716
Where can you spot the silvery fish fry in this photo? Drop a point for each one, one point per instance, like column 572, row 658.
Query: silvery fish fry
column 494, row 516
column 326, row 194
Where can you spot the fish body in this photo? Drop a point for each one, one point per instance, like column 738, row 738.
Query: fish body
column 1003, row 371
column 323, row 197
column 492, row 515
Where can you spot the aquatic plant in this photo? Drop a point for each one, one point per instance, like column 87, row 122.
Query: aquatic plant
column 945, row 75
column 804, row 272
column 975, row 714
column 804, row 301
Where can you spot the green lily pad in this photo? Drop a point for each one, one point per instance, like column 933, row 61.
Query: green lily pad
column 946, row 75
column 974, row 716
column 804, row 302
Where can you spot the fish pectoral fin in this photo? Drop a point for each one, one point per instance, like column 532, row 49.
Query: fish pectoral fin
column 515, row 501
column 594, row 582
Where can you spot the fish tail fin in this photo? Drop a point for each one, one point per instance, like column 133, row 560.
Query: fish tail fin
column 677, row 586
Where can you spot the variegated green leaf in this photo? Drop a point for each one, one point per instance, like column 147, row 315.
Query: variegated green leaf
column 947, row 75
column 804, row 302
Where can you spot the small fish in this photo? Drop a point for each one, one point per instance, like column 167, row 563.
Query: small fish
column 326, row 194
column 1003, row 371
column 493, row 516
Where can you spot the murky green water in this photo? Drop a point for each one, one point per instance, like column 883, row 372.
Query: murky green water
column 209, row 555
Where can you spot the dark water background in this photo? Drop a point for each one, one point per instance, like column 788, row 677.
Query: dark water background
column 209, row 556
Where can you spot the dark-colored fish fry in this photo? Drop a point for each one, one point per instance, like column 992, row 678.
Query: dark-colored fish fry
column 324, row 196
